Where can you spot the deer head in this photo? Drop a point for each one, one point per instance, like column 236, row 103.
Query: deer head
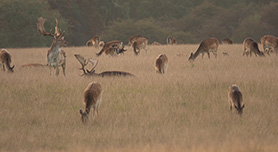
column 83, row 63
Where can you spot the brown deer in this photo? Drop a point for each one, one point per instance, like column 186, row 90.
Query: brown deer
column 269, row 44
column 112, row 48
column 161, row 64
column 55, row 56
column 140, row 43
column 94, row 41
column 94, row 63
column 226, row 41
column 250, row 46
column 171, row 40
column 6, row 60
column 133, row 39
column 155, row 43
column 92, row 98
column 235, row 99
column 206, row 46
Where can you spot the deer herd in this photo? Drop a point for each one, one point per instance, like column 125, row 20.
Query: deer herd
column 56, row 58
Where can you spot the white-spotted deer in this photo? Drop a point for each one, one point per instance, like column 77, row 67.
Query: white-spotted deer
column 94, row 41
column 269, row 44
column 161, row 64
column 171, row 40
column 235, row 99
column 55, row 56
column 251, row 46
column 112, row 48
column 92, row 99
column 92, row 72
column 206, row 46
column 140, row 43
column 6, row 60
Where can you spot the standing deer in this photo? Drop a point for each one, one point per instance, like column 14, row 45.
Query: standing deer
column 171, row 40
column 133, row 39
column 55, row 56
column 92, row 98
column 6, row 60
column 92, row 72
column 250, row 46
column 94, row 41
column 206, row 46
column 161, row 64
column 235, row 99
column 140, row 43
column 112, row 48
column 269, row 44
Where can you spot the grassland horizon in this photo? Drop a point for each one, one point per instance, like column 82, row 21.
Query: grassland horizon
column 185, row 109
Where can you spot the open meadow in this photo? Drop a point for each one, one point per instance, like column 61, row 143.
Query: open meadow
column 185, row 109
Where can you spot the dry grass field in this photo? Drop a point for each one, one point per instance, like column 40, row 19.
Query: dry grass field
column 186, row 109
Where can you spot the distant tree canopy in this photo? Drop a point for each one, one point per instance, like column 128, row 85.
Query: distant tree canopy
column 188, row 21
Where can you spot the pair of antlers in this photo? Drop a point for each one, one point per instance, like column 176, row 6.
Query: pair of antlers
column 84, row 62
column 41, row 29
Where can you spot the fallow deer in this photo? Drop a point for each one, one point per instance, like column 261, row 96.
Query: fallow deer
column 251, row 46
column 161, row 64
column 112, row 48
column 156, row 43
column 171, row 40
column 133, row 39
column 269, row 44
column 140, row 43
column 94, row 41
column 92, row 72
column 226, row 41
column 92, row 98
column 235, row 99
column 55, row 56
column 206, row 46
column 6, row 60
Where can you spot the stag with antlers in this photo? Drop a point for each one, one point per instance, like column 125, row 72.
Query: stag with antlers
column 92, row 72
column 55, row 56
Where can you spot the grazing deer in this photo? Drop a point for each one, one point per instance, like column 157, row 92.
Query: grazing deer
column 94, row 63
column 133, row 39
column 92, row 98
column 6, row 60
column 140, row 43
column 55, row 56
column 235, row 99
column 226, row 41
column 94, row 41
column 206, row 46
column 250, row 46
column 112, row 48
column 161, row 64
column 171, row 40
column 155, row 43
column 269, row 44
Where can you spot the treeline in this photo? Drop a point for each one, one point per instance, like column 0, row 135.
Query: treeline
column 188, row 21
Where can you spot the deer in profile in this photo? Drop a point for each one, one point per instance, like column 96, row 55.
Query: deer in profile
column 269, row 44
column 92, row 99
column 94, row 41
column 206, row 46
column 91, row 73
column 235, row 99
column 171, row 40
column 140, row 43
column 133, row 39
column 112, row 48
column 226, row 41
column 55, row 56
column 161, row 64
column 250, row 46
column 6, row 60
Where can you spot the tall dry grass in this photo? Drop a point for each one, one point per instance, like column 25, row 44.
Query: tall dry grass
column 186, row 109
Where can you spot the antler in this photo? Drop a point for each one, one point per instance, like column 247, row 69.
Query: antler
column 93, row 62
column 41, row 29
column 82, row 61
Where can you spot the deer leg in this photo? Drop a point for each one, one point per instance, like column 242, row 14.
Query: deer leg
column 208, row 54
column 64, row 69
column 3, row 67
column 57, row 71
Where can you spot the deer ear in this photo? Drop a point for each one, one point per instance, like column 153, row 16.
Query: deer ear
column 80, row 111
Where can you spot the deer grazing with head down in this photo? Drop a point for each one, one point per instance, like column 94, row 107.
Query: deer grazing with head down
column 226, row 41
column 94, row 41
column 91, row 73
column 206, row 46
column 92, row 98
column 250, row 46
column 112, row 48
column 171, row 40
column 235, row 99
column 55, row 56
column 269, row 44
column 161, row 63
column 140, row 43
column 5, row 59
column 133, row 39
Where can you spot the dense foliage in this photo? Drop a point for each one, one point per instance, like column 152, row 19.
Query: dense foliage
column 188, row 21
